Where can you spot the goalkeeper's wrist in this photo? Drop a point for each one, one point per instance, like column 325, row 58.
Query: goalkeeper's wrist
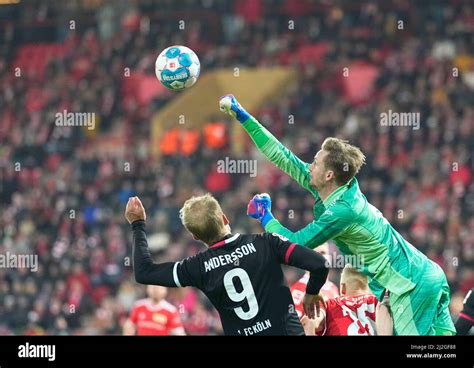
column 242, row 116
column 267, row 217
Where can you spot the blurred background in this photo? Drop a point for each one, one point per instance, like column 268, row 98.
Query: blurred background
column 63, row 189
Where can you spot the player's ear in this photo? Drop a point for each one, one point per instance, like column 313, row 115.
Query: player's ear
column 343, row 288
column 329, row 175
column 226, row 220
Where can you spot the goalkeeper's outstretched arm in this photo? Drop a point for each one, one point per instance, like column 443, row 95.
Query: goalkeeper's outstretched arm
column 270, row 146
column 331, row 223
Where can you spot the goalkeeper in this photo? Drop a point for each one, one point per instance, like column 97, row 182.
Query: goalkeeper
column 417, row 287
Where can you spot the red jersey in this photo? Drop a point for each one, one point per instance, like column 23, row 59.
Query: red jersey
column 298, row 290
column 155, row 319
column 350, row 315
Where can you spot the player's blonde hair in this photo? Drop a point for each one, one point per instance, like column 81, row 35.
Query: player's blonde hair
column 355, row 279
column 343, row 158
column 202, row 216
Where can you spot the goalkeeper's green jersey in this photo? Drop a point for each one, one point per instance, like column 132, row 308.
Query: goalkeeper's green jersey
column 346, row 217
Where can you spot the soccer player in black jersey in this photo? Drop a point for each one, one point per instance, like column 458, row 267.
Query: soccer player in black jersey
column 240, row 274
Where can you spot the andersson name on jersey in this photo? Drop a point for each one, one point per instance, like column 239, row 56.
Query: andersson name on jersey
column 224, row 259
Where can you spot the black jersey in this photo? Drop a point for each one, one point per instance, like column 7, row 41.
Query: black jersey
column 242, row 277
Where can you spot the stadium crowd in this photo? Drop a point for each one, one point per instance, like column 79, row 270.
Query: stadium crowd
column 62, row 196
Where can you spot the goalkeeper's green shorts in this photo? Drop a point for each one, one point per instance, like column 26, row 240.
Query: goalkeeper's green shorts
column 425, row 309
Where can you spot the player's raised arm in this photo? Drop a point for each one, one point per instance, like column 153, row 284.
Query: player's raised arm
column 266, row 142
column 169, row 274
column 327, row 226
column 145, row 270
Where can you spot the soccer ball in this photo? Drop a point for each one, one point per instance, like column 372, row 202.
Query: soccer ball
column 177, row 67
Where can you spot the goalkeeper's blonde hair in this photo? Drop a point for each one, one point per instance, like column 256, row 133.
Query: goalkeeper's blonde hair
column 202, row 216
column 343, row 158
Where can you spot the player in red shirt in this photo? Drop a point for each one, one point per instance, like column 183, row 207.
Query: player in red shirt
column 352, row 313
column 154, row 315
column 298, row 289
